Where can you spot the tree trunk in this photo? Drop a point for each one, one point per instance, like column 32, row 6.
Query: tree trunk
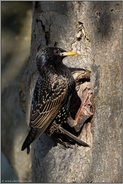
column 94, row 29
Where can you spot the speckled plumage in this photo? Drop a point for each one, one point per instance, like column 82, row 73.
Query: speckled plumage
column 52, row 93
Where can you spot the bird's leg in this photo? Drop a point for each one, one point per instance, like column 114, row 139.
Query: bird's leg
column 64, row 144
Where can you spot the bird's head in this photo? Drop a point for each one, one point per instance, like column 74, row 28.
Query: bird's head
column 52, row 55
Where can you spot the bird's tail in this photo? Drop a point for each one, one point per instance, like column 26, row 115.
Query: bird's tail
column 73, row 137
column 32, row 135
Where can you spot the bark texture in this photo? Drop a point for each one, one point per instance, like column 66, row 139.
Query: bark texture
column 94, row 29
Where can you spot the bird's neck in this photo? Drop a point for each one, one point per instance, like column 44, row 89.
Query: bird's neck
column 58, row 69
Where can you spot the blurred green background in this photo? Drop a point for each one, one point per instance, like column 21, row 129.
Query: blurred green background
column 16, row 22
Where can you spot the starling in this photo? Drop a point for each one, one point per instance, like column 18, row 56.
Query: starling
column 52, row 94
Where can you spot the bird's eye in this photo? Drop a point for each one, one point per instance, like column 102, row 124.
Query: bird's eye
column 57, row 51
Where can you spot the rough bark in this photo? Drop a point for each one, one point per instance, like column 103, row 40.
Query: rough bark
column 94, row 29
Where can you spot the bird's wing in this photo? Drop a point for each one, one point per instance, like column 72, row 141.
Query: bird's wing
column 47, row 101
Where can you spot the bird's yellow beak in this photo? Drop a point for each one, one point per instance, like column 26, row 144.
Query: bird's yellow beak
column 69, row 53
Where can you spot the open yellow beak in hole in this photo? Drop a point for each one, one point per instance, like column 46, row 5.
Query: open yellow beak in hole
column 69, row 53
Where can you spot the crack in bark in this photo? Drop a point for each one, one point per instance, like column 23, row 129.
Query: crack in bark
column 81, row 32
column 47, row 33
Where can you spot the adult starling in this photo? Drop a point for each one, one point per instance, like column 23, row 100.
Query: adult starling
column 52, row 93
